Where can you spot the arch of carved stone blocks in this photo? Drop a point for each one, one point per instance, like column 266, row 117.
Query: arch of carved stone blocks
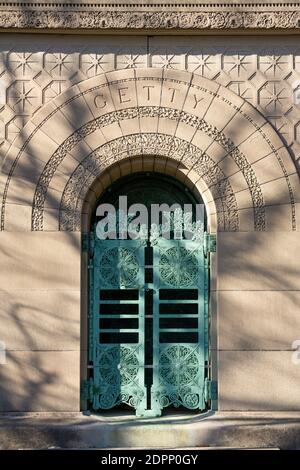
column 219, row 142
column 161, row 165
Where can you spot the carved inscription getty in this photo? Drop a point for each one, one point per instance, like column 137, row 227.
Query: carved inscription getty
column 124, row 96
column 180, row 116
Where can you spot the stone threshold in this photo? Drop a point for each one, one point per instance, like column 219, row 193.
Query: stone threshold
column 65, row 430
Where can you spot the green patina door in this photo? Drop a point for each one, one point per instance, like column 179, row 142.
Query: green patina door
column 148, row 325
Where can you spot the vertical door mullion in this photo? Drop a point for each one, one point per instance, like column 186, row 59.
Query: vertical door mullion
column 140, row 409
column 156, row 409
column 201, row 322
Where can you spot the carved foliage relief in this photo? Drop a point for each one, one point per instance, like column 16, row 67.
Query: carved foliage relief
column 159, row 16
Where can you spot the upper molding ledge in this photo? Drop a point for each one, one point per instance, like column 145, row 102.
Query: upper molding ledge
column 151, row 15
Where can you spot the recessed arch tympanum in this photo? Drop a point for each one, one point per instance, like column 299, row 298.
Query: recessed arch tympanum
column 216, row 141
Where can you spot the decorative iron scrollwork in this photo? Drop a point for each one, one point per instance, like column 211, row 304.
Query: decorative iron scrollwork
column 118, row 365
column 178, row 267
column 118, row 368
column 178, row 365
column 119, row 267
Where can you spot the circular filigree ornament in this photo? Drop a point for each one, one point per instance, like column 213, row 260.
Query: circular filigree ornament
column 118, row 365
column 179, row 365
column 191, row 401
column 178, row 267
column 107, row 401
column 119, row 267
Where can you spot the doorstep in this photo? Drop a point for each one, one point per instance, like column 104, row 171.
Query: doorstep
column 121, row 430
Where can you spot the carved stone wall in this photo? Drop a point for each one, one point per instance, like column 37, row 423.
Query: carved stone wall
column 218, row 140
column 265, row 72
column 204, row 110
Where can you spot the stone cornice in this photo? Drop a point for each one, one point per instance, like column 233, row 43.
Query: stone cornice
column 95, row 15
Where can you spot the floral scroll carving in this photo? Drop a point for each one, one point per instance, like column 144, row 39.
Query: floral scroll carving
column 161, row 18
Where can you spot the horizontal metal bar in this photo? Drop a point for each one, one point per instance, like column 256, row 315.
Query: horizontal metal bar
column 119, row 330
column 179, row 302
column 123, row 315
column 119, row 302
column 179, row 330
column 179, row 315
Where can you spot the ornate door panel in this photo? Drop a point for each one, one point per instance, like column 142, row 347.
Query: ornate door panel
column 117, row 324
column 148, row 325
column 180, row 324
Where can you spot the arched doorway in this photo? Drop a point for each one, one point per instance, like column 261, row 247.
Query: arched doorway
column 148, row 329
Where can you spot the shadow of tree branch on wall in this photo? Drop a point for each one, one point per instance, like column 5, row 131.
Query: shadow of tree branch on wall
column 255, row 368
column 36, row 376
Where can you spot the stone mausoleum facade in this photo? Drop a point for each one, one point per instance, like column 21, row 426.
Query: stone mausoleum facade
column 165, row 102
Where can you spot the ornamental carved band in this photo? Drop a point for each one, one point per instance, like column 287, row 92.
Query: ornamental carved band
column 157, row 20
column 216, row 141
column 151, row 144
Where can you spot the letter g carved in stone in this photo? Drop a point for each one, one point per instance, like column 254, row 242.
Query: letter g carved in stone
column 99, row 101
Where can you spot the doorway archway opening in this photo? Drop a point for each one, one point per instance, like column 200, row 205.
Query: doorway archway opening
column 149, row 296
